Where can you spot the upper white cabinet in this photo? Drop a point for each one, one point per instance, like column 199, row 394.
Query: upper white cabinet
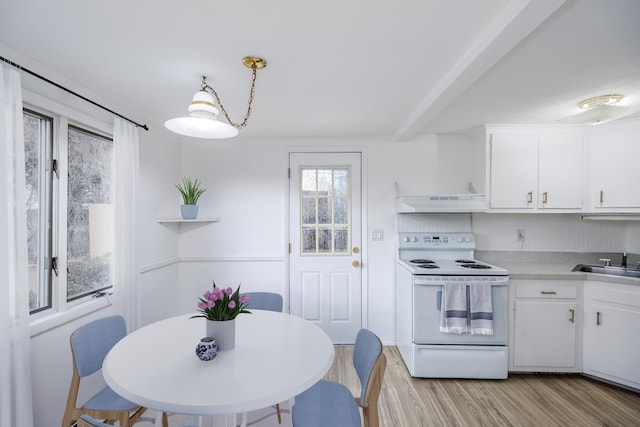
column 536, row 170
column 615, row 167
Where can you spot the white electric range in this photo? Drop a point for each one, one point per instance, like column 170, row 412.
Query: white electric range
column 426, row 261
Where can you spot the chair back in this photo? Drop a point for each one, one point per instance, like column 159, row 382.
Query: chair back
column 369, row 362
column 264, row 301
column 91, row 343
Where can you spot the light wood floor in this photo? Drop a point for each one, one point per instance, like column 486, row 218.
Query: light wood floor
column 521, row 400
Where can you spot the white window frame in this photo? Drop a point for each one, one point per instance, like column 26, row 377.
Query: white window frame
column 62, row 311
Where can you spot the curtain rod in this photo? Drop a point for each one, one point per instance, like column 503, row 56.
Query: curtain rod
column 26, row 70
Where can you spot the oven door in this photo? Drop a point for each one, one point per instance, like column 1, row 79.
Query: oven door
column 427, row 298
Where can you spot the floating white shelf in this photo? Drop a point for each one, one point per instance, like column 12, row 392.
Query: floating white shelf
column 186, row 221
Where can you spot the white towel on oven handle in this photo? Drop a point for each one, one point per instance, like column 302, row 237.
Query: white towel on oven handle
column 481, row 309
column 453, row 310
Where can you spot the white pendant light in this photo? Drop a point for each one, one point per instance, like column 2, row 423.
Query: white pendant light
column 202, row 121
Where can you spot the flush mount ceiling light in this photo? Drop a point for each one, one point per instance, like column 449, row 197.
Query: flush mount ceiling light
column 599, row 101
column 600, row 109
column 202, row 121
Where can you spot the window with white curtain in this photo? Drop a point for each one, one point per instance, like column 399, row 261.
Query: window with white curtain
column 70, row 217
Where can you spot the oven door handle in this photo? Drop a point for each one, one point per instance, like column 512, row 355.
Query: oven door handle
column 439, row 301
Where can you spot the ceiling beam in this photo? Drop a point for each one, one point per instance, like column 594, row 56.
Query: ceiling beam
column 516, row 21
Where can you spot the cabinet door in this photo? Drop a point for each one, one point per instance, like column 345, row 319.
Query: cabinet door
column 545, row 334
column 615, row 154
column 611, row 333
column 514, row 171
column 560, row 171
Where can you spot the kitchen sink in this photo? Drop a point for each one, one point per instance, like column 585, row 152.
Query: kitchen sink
column 609, row 269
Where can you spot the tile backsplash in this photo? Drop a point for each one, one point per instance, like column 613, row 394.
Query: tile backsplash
column 542, row 232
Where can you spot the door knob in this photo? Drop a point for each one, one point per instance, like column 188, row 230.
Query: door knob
column 356, row 263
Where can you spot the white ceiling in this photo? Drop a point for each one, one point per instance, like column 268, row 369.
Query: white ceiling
column 336, row 67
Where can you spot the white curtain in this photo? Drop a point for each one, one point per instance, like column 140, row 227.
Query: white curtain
column 15, row 358
column 126, row 292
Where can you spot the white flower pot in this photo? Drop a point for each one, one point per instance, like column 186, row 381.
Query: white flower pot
column 224, row 332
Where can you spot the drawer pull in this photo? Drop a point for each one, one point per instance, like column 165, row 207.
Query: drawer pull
column 530, row 197
column 544, row 197
column 572, row 319
column 601, row 197
column 548, row 292
column 598, row 318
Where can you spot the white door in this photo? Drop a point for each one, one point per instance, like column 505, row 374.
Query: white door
column 325, row 236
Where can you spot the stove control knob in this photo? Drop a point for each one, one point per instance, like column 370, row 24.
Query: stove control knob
column 467, row 239
column 414, row 239
column 405, row 239
column 459, row 239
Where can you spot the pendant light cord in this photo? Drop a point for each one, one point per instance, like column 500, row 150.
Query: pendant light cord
column 26, row 70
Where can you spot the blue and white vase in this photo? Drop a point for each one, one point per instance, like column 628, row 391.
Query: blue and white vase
column 224, row 333
column 207, row 349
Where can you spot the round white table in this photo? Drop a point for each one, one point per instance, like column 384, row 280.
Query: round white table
column 276, row 357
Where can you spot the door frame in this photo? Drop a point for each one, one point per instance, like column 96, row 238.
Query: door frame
column 364, row 294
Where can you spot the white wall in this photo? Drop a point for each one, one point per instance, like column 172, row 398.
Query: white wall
column 247, row 187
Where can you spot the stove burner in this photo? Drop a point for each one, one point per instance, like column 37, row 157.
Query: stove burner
column 465, row 261
column 476, row 266
column 427, row 266
column 421, row 261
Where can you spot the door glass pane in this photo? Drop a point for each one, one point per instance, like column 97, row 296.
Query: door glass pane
column 309, row 211
column 308, row 182
column 341, row 181
column 341, row 239
column 324, row 240
column 325, row 210
column 340, row 212
column 325, row 183
column 90, row 223
column 308, row 240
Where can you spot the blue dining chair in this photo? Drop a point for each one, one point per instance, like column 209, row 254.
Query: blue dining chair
column 329, row 403
column 265, row 301
column 90, row 344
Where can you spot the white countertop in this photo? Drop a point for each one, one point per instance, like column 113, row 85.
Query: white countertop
column 559, row 271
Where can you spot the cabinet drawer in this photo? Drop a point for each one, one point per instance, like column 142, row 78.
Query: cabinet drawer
column 547, row 289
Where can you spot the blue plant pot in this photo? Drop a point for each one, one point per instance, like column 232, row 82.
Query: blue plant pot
column 189, row 211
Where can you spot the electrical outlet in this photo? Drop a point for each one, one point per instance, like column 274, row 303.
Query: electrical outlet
column 520, row 235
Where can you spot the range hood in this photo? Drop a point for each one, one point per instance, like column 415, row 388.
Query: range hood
column 455, row 203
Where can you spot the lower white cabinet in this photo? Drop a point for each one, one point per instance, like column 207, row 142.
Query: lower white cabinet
column 546, row 332
column 612, row 332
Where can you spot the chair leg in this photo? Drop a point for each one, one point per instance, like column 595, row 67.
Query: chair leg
column 165, row 420
column 278, row 412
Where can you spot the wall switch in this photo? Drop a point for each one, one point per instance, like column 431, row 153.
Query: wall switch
column 520, row 235
column 377, row 235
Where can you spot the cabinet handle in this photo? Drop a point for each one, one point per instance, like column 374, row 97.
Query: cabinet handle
column 530, row 197
column 598, row 318
column 572, row 319
column 548, row 292
column 601, row 197
column 544, row 197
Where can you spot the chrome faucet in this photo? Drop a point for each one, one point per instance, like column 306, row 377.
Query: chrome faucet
column 624, row 260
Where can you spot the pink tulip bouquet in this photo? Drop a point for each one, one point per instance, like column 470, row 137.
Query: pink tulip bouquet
column 222, row 304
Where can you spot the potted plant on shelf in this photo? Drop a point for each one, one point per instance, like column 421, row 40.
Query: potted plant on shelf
column 191, row 192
